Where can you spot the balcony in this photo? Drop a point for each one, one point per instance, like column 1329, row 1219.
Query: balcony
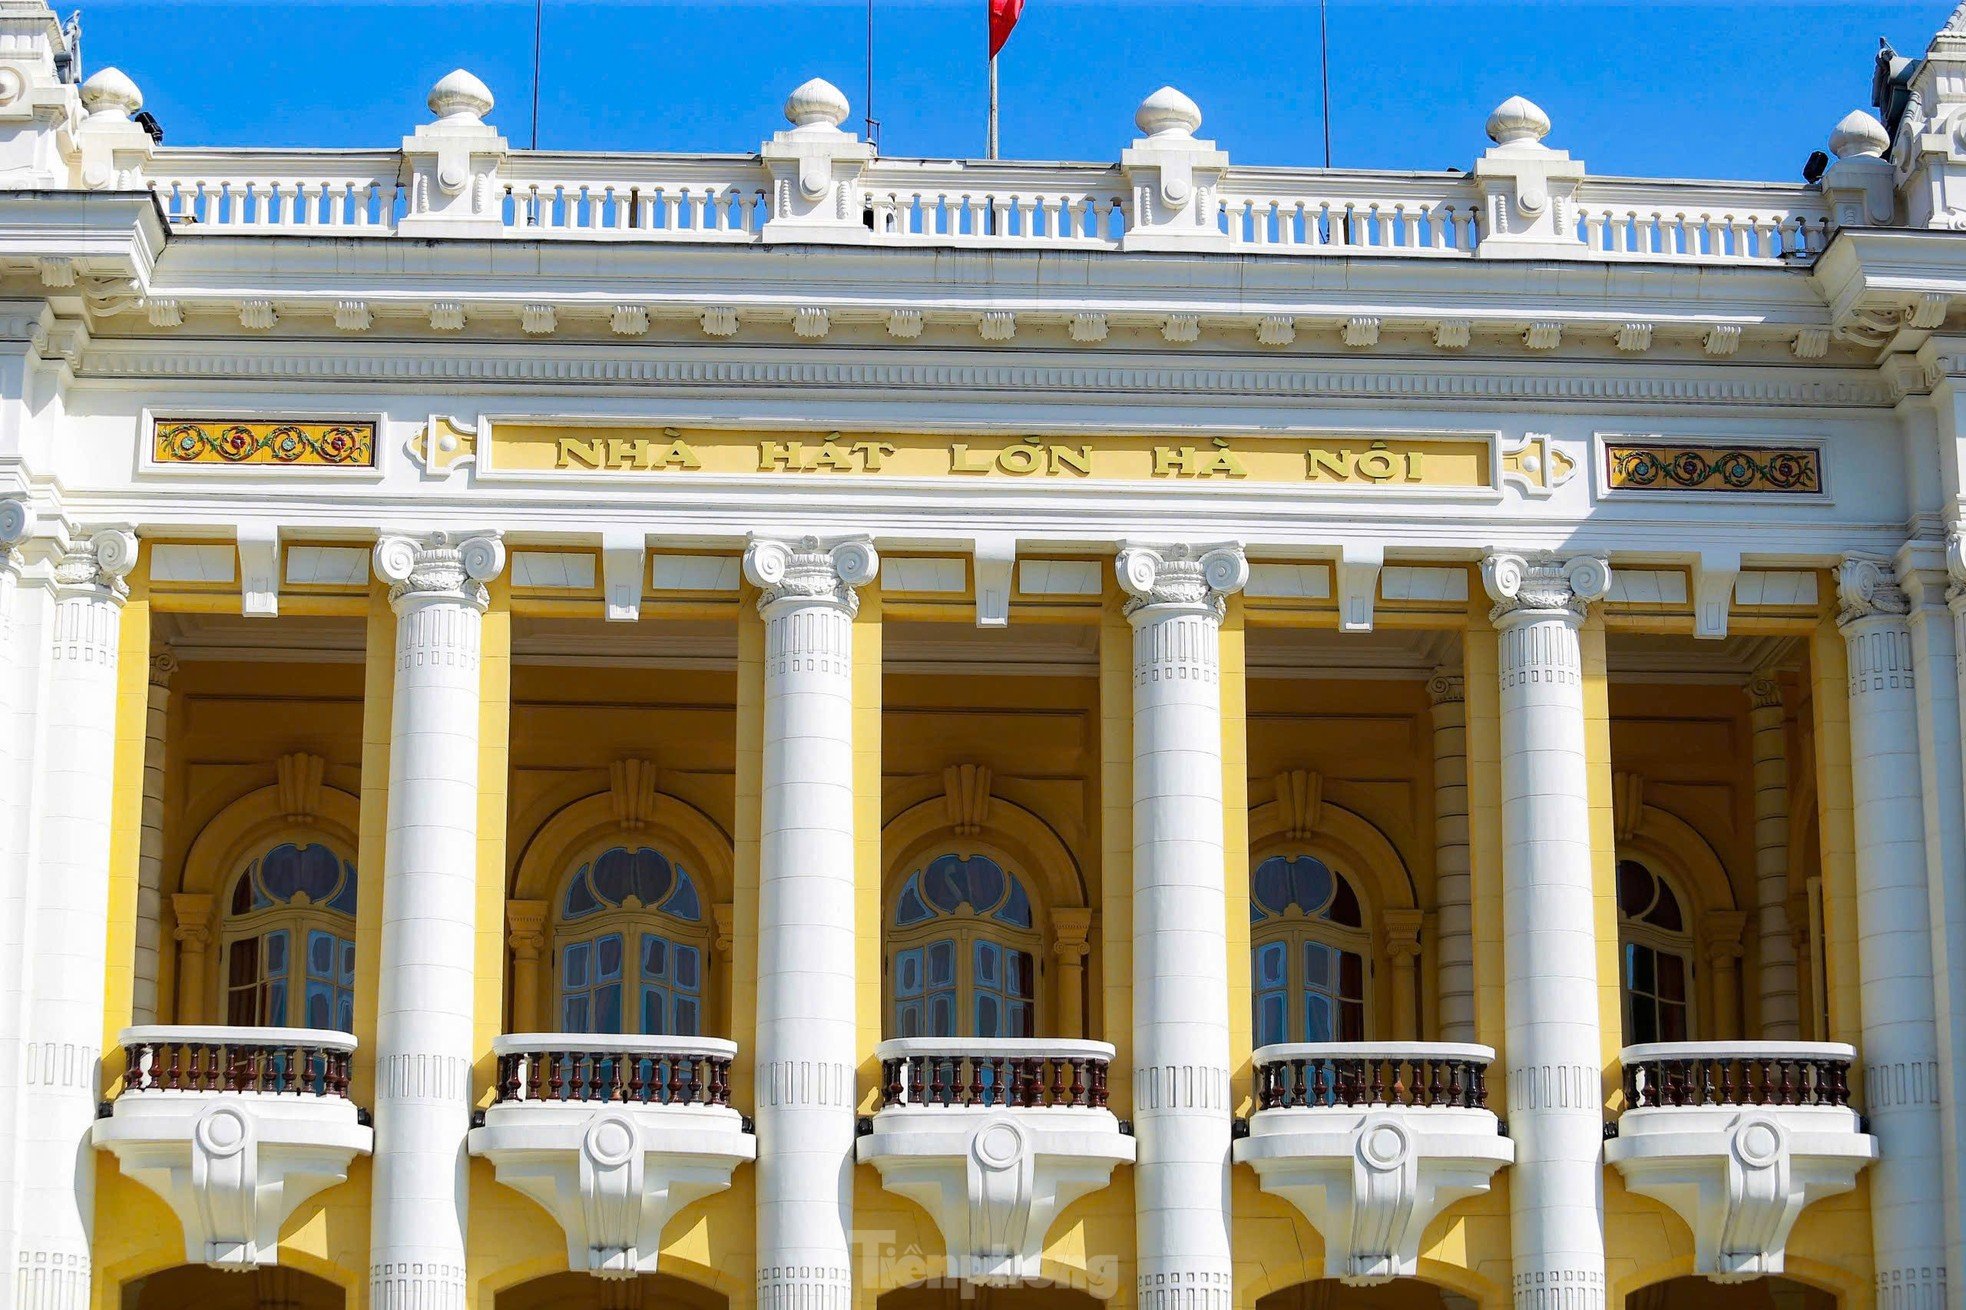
column 994, row 1137
column 613, row 1136
column 1739, row 1137
column 1371, row 1142
column 234, row 1128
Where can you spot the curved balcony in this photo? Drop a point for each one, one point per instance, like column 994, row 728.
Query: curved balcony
column 1372, row 1141
column 613, row 1136
column 1739, row 1137
column 994, row 1137
column 234, row 1128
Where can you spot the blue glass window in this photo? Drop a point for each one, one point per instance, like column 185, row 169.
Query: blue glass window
column 1307, row 985
column 290, row 955
column 967, row 964
column 631, row 975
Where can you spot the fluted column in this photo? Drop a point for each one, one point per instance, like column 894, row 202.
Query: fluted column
column 1555, row 1053
column 67, row 906
column 1181, row 1107
column 1781, row 1015
column 807, row 1035
column 1894, row 941
column 1453, row 900
column 426, row 987
column 150, row 851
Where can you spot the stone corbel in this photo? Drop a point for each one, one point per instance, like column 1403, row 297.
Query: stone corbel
column 966, row 793
column 1627, row 803
column 453, row 164
column 632, row 790
column 624, row 558
column 1358, row 585
column 995, row 561
column 815, row 171
column 259, row 570
column 1714, row 575
column 1300, row 797
column 298, row 777
column 1174, row 178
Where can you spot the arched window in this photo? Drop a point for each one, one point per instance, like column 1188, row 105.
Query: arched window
column 289, row 940
column 962, row 948
column 630, row 946
column 1307, row 952
column 1657, row 954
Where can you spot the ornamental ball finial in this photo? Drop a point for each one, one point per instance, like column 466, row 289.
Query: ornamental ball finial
column 1516, row 120
column 110, row 91
column 1167, row 112
column 816, row 103
column 460, row 97
column 1859, row 136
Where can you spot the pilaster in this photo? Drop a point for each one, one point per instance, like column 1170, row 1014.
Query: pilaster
column 1902, row 1076
column 150, row 856
column 1181, row 1106
column 807, row 1036
column 1453, row 865
column 1775, row 977
column 1554, row 1076
column 425, row 993
column 67, row 906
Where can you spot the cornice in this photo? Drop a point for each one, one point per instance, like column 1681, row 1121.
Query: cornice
column 721, row 367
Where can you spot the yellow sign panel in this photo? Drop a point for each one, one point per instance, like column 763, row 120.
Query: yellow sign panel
column 1451, row 462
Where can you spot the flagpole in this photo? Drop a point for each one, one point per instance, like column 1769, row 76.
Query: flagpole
column 990, row 139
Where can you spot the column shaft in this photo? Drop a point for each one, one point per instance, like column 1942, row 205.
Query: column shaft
column 1181, row 1108
column 1781, row 1015
column 426, row 990
column 1555, row 1050
column 1894, row 941
column 1453, row 864
column 67, row 909
column 150, row 857
column 807, row 1036
column 17, row 670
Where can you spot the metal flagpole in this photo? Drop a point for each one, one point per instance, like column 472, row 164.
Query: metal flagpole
column 1324, row 64
column 990, row 139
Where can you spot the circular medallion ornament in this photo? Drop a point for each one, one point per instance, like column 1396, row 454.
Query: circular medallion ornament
column 1383, row 1144
column 998, row 1145
column 221, row 1132
column 1759, row 1142
column 610, row 1141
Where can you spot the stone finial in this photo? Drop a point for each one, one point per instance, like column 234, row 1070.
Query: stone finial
column 1167, row 113
column 1859, row 136
column 1516, row 121
column 459, row 97
column 110, row 91
column 817, row 104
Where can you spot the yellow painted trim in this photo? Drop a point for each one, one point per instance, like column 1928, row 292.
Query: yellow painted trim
column 868, row 867
column 1482, row 687
column 1836, row 827
column 1604, row 848
column 494, row 783
column 1116, row 841
column 126, row 815
column 1235, row 853
column 378, row 708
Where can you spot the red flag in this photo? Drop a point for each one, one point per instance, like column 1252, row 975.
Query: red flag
column 1003, row 17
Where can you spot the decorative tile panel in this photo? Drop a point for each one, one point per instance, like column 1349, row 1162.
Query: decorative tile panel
column 336, row 444
column 1653, row 466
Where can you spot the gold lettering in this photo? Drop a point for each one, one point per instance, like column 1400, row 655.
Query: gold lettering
column 1170, row 461
column 788, row 456
column 628, row 452
column 579, row 452
column 835, row 457
column 1376, row 463
column 872, row 453
column 1325, row 463
column 1413, row 459
column 961, row 461
column 678, row 455
column 1078, row 459
column 1223, row 461
column 1019, row 460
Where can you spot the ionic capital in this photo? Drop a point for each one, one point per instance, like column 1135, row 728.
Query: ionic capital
column 1543, row 584
column 1447, row 688
column 1764, row 692
column 440, row 566
column 810, row 571
column 525, row 923
column 16, row 522
column 1181, row 577
column 193, row 913
column 1866, row 587
column 162, row 666
column 96, row 565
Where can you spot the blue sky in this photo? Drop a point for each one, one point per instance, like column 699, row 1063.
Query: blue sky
column 1709, row 88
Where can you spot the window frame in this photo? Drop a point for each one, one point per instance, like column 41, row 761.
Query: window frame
column 965, row 927
column 1294, row 927
column 633, row 924
column 298, row 919
column 1683, row 945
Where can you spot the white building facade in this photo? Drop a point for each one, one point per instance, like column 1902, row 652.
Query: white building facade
column 811, row 730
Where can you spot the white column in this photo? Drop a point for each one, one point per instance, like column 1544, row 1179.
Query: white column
column 67, row 906
column 1781, row 1015
column 16, row 522
column 807, row 1036
column 150, row 853
column 429, row 922
column 1181, row 1108
column 1894, row 940
column 1453, row 903
column 1555, row 1054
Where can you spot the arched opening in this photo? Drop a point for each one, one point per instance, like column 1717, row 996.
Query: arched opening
column 1655, row 952
column 630, row 945
column 1330, row 1294
column 288, row 940
column 579, row 1291
column 1692, row 1293
column 950, row 1295
column 270, row 1287
column 963, row 949
column 1310, row 947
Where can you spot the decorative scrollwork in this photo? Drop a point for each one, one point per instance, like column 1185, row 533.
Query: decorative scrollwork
column 811, row 569
column 200, row 441
column 1181, row 575
column 1716, row 468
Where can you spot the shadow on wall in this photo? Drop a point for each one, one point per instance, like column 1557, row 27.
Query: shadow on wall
column 1699, row 1294
column 581, row 1291
column 266, row 1288
column 1330, row 1294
